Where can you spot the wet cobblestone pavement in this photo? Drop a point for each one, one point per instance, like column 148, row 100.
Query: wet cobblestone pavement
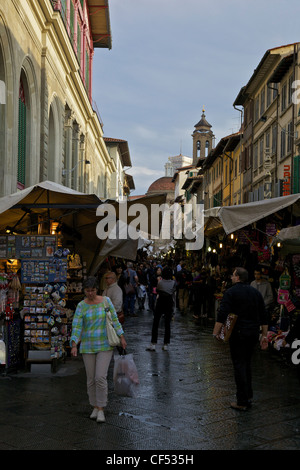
column 182, row 404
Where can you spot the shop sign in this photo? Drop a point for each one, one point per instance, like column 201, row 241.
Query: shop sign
column 268, row 176
column 286, row 180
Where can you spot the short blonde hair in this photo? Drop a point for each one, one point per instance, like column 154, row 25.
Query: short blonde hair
column 112, row 274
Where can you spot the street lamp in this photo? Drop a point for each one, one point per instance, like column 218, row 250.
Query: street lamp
column 65, row 172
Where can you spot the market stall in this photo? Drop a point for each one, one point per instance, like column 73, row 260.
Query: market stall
column 48, row 233
column 232, row 218
column 36, row 287
column 266, row 235
column 288, row 292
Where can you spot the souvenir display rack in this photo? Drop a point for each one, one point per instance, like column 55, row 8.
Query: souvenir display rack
column 10, row 322
column 46, row 317
column 47, row 321
column 40, row 286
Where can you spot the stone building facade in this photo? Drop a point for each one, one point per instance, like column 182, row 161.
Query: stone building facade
column 49, row 126
column 271, row 125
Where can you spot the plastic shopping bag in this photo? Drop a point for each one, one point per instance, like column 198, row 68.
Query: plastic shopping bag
column 141, row 291
column 125, row 376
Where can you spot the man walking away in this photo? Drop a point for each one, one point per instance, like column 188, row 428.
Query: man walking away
column 247, row 303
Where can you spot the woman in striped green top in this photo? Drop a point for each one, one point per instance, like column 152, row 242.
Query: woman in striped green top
column 89, row 328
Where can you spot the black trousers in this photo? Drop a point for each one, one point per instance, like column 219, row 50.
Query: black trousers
column 241, row 349
column 164, row 306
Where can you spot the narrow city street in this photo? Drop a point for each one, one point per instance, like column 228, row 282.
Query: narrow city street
column 182, row 403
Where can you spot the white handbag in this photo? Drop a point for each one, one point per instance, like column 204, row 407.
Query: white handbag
column 112, row 336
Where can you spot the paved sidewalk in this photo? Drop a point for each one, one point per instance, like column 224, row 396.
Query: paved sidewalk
column 183, row 400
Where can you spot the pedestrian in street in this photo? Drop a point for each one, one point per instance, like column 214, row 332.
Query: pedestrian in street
column 179, row 266
column 200, row 294
column 89, row 328
column 114, row 292
column 166, row 291
column 247, row 303
column 142, row 286
column 264, row 288
column 121, row 280
column 129, row 298
column 153, row 286
column 184, row 281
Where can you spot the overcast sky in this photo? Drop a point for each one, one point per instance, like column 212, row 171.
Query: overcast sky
column 169, row 58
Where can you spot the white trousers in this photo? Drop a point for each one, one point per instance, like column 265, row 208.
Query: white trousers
column 96, row 367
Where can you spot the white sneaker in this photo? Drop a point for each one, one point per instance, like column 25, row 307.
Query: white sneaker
column 165, row 347
column 94, row 413
column 151, row 347
column 100, row 417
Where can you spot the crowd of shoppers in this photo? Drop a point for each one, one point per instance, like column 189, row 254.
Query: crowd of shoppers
column 165, row 288
column 199, row 288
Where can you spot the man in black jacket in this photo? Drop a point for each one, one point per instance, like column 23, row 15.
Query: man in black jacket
column 248, row 304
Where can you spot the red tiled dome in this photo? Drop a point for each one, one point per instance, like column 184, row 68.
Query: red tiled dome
column 164, row 184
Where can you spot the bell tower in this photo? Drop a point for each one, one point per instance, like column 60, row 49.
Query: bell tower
column 203, row 139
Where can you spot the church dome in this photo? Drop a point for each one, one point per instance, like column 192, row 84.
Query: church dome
column 162, row 185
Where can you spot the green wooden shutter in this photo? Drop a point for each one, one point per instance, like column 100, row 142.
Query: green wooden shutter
column 78, row 43
column 296, row 175
column 72, row 13
column 63, row 10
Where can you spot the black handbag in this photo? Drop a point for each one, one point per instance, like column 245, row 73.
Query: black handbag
column 129, row 289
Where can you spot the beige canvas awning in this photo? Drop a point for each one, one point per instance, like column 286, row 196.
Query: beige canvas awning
column 233, row 218
column 76, row 211
column 289, row 235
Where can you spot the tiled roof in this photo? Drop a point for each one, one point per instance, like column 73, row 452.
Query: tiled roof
column 124, row 149
column 162, row 184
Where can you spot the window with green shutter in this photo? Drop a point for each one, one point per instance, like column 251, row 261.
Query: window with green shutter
column 63, row 10
column 78, row 42
column 296, row 175
column 21, row 138
column 217, row 199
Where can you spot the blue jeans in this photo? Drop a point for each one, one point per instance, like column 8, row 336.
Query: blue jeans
column 129, row 302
